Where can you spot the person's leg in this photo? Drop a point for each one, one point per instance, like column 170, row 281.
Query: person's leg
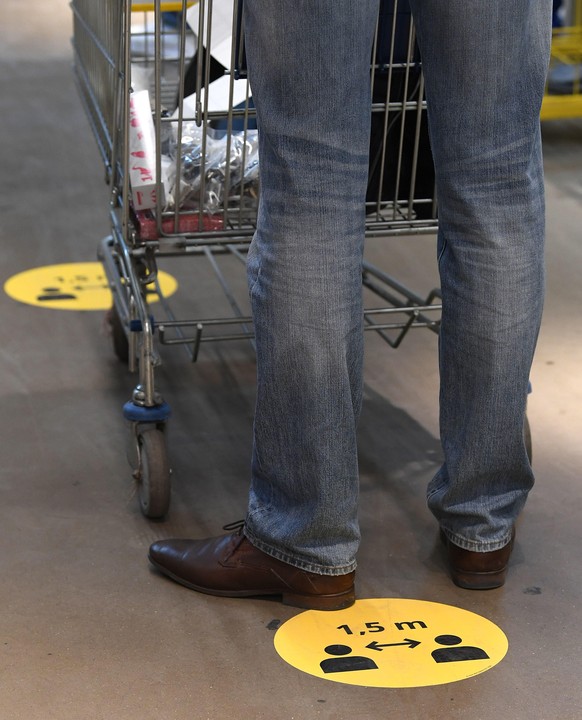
column 309, row 65
column 485, row 65
column 309, row 68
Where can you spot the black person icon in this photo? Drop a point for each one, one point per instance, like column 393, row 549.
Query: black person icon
column 54, row 293
column 341, row 663
column 456, row 654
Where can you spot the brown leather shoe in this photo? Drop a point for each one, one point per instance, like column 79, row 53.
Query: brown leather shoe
column 475, row 570
column 231, row 566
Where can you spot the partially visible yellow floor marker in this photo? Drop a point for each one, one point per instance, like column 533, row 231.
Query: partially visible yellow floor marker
column 392, row 643
column 72, row 286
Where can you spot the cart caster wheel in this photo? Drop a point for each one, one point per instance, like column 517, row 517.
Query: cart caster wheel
column 153, row 474
column 120, row 341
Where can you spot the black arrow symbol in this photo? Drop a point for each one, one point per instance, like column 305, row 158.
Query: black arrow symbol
column 378, row 646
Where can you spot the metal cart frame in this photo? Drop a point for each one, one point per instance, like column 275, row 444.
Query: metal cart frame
column 114, row 40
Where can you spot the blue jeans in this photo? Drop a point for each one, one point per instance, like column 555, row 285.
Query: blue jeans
column 309, row 63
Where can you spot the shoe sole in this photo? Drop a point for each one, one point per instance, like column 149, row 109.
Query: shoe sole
column 306, row 602
column 478, row 581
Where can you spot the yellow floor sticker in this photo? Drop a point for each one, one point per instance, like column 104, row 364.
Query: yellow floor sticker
column 392, row 643
column 72, row 286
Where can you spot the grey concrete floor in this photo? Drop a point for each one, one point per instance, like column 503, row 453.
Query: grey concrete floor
column 87, row 630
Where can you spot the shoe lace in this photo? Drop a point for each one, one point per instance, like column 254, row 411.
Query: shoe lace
column 238, row 525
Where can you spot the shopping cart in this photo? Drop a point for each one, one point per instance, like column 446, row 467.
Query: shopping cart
column 165, row 89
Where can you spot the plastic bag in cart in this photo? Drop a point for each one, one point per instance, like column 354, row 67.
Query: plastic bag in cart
column 222, row 159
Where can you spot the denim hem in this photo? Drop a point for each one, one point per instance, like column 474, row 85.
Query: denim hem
column 295, row 561
column 474, row 546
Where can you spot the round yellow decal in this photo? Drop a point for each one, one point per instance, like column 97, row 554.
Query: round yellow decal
column 392, row 643
column 72, row 286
